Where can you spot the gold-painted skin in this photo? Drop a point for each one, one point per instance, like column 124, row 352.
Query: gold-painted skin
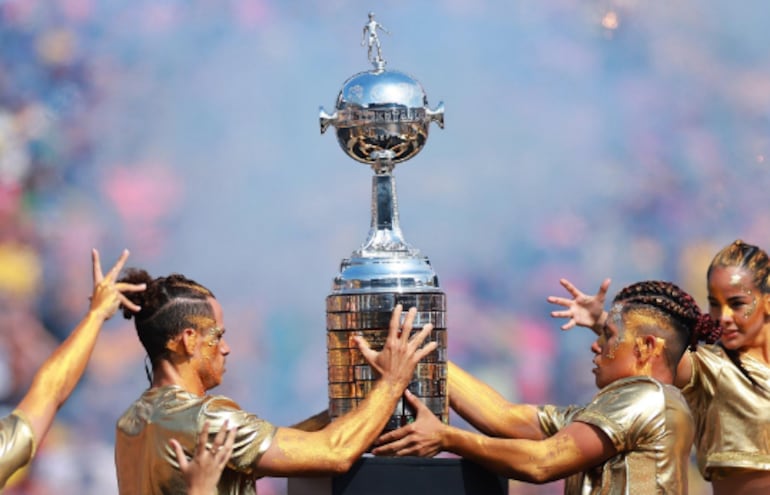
column 640, row 412
column 146, row 463
column 17, row 444
column 732, row 416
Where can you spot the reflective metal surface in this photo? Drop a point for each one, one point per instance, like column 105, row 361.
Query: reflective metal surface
column 382, row 119
column 381, row 116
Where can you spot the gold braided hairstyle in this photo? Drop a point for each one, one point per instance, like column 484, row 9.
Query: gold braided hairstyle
column 680, row 319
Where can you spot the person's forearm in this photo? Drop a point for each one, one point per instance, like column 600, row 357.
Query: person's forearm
column 350, row 435
column 518, row 459
column 335, row 448
column 487, row 410
column 59, row 374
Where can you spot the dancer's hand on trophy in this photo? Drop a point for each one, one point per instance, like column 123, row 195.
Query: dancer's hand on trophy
column 419, row 438
column 400, row 354
column 582, row 310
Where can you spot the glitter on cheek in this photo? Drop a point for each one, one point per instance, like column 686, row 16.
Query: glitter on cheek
column 751, row 308
column 616, row 316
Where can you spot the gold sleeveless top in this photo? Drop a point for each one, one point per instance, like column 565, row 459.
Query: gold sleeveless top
column 146, row 464
column 649, row 424
column 17, row 444
column 732, row 416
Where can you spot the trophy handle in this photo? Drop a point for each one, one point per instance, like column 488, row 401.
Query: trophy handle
column 326, row 120
column 436, row 115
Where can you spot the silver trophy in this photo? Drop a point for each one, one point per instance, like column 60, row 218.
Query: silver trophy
column 382, row 118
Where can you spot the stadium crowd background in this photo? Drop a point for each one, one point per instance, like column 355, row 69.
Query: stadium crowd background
column 583, row 139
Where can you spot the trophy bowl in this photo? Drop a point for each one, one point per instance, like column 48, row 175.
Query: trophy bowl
column 382, row 116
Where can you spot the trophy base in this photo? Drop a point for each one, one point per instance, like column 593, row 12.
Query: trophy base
column 405, row 476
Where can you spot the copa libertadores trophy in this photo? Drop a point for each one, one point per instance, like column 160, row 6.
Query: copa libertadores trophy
column 382, row 119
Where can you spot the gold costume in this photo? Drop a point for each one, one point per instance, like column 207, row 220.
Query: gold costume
column 649, row 424
column 17, row 444
column 146, row 463
column 732, row 416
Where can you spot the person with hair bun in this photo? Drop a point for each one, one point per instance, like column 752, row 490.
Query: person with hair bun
column 181, row 326
column 727, row 385
column 635, row 435
column 22, row 431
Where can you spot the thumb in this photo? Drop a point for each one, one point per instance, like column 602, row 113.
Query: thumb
column 414, row 401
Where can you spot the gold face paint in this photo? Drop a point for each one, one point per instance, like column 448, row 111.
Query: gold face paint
column 200, row 321
column 736, row 280
column 616, row 316
column 216, row 334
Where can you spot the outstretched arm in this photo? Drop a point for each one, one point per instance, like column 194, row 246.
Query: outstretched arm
column 582, row 310
column 487, row 410
column 575, row 448
column 58, row 375
column 334, row 448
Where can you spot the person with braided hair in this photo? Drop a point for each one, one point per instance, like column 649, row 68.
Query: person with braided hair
column 181, row 327
column 635, row 436
column 727, row 385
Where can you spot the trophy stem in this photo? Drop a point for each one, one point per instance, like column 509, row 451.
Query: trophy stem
column 385, row 232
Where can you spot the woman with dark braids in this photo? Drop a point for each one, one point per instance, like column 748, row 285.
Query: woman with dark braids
column 635, row 436
column 181, row 327
column 727, row 385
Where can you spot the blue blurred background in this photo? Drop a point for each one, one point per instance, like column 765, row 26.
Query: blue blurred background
column 583, row 139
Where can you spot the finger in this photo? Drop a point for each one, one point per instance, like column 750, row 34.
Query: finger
column 568, row 325
column 418, row 340
column 383, row 450
column 406, row 328
column 118, row 266
column 203, row 437
column 97, row 266
column 222, row 455
column 391, row 436
column 561, row 314
column 127, row 303
column 395, row 321
column 604, row 287
column 126, row 287
column 559, row 301
column 219, row 439
column 415, row 402
column 424, row 351
column 369, row 354
column 420, row 336
column 392, row 448
column 181, row 458
column 570, row 288
column 230, row 440
column 408, row 452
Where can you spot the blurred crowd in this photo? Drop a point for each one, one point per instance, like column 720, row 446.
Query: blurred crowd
column 58, row 199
